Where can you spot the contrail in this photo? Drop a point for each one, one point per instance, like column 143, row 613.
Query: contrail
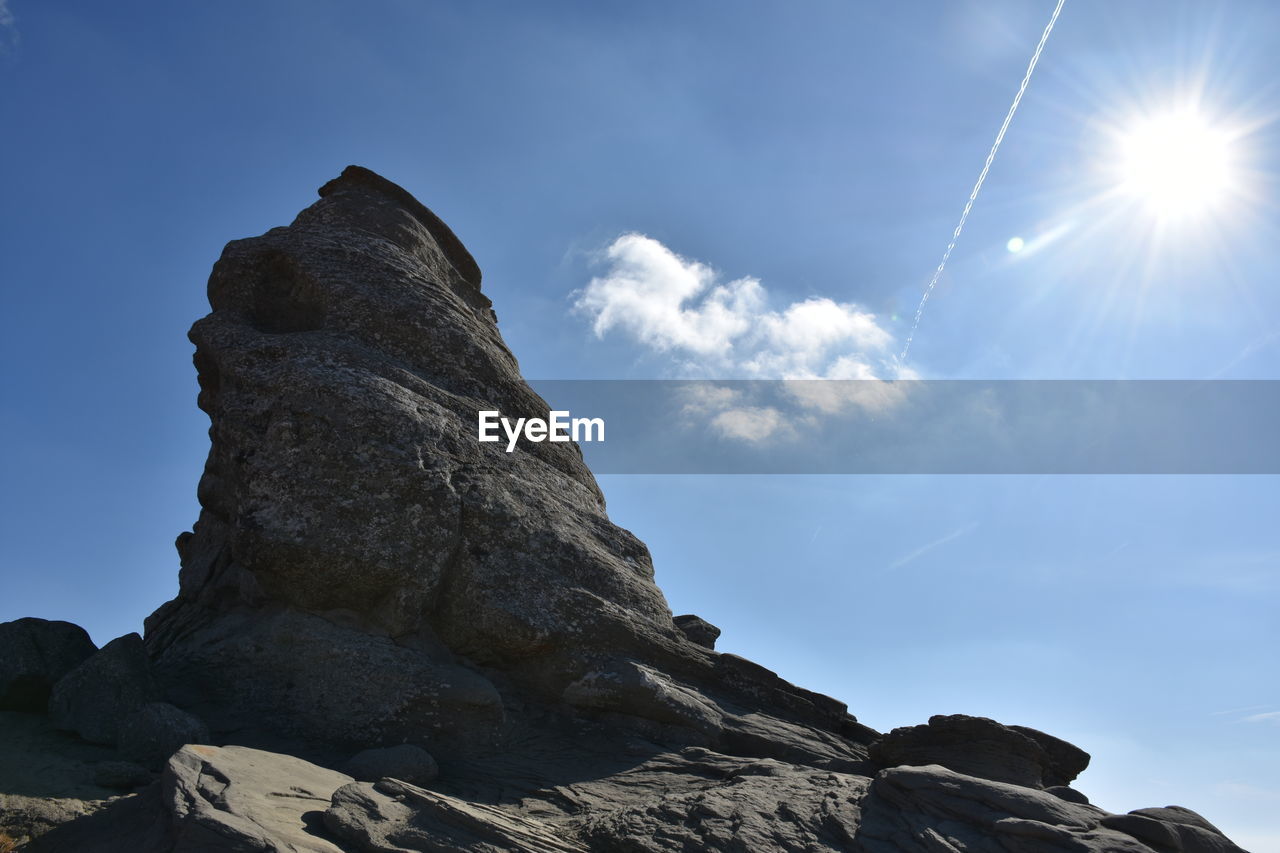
column 977, row 187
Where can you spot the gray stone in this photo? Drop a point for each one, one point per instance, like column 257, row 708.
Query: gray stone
column 1063, row 761
column 978, row 746
column 628, row 687
column 698, row 630
column 303, row 676
column 406, row 762
column 730, row 805
column 34, row 654
column 237, row 799
column 1071, row 795
column 154, row 732
column 121, row 775
column 1153, row 833
column 927, row 809
column 1194, row 833
column 95, row 697
column 393, row 817
column 37, row 760
column 930, row 808
column 25, row 818
column 1177, row 815
column 134, row 824
column 363, row 571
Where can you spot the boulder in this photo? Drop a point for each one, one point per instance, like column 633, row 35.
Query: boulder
column 238, row 799
column 628, row 687
column 154, row 732
column 226, row 799
column 981, row 747
column 392, row 817
column 1071, row 795
column 698, row 630
column 406, row 762
column 930, row 808
column 34, row 654
column 1194, row 834
column 1063, row 761
column 95, row 697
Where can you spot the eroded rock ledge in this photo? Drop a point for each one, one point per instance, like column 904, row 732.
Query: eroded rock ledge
column 364, row 575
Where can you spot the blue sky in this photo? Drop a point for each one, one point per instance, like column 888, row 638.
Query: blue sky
column 819, row 152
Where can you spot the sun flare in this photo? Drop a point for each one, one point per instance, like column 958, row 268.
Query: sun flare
column 1177, row 165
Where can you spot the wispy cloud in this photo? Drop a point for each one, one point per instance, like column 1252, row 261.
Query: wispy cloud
column 729, row 414
column 1243, row 791
column 937, row 543
column 1233, row 712
column 1271, row 717
column 8, row 28
column 1262, row 714
column 682, row 309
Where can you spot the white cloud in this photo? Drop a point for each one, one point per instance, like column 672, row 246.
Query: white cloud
column 751, row 424
column 680, row 308
column 830, row 398
column 8, row 28
column 728, row 413
column 1272, row 717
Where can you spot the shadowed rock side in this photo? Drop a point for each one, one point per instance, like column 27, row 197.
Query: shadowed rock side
column 368, row 590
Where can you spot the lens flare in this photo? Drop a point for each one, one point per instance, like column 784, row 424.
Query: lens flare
column 1177, row 165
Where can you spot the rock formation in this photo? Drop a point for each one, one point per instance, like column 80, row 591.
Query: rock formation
column 37, row 654
column 367, row 586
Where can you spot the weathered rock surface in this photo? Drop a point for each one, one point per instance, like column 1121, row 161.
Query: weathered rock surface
column 406, row 762
column 23, row 818
column 363, row 571
column 156, row 731
column 121, row 775
column 34, row 654
column 95, row 697
column 698, row 630
column 365, row 574
column 392, row 816
column 214, row 799
column 981, row 747
column 238, row 799
column 934, row 809
column 233, row 798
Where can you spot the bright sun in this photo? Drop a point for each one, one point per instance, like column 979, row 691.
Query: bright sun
column 1177, row 165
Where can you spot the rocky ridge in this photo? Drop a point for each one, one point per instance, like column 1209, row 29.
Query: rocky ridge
column 369, row 591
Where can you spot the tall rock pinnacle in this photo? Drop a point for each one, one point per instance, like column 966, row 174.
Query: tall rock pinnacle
column 362, row 568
